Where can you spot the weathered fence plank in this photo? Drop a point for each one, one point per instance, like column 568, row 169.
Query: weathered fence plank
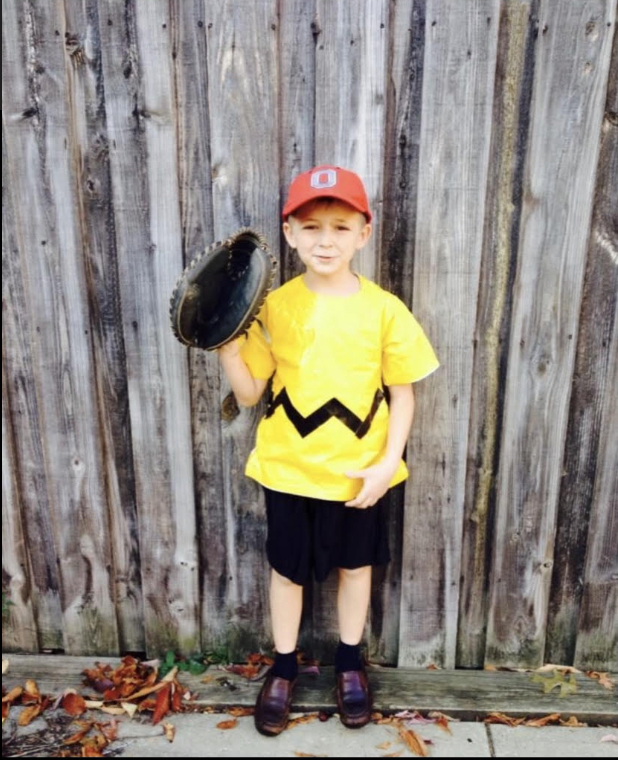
column 582, row 468
column 458, row 82
column 242, row 88
column 597, row 635
column 300, row 33
column 567, row 110
column 90, row 154
column 511, row 115
column 350, row 104
column 349, row 125
column 190, row 21
column 406, row 28
column 24, row 447
column 141, row 123
column 19, row 631
column 56, row 302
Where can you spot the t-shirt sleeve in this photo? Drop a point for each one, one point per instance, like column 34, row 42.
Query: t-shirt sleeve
column 407, row 354
column 255, row 348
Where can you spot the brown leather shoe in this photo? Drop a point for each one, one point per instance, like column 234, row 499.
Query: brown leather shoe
column 272, row 708
column 354, row 698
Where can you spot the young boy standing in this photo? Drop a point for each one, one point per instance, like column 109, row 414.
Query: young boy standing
column 330, row 445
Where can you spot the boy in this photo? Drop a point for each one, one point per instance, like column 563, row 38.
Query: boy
column 329, row 445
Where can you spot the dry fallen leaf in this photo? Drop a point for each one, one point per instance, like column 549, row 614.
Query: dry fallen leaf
column 240, row 712
column 5, row 666
column 538, row 722
column 602, row 678
column 170, row 731
column 129, row 707
column 74, row 704
column 563, row 668
column 384, row 745
column 609, row 738
column 394, row 754
column 13, row 694
column 306, row 718
column 572, row 722
column 414, row 742
column 225, row 724
column 496, row 717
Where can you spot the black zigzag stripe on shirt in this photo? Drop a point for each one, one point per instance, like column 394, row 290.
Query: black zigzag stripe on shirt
column 332, row 408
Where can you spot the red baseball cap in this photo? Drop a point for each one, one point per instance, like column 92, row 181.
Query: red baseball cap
column 327, row 182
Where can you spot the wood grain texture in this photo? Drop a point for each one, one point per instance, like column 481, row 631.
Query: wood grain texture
column 510, row 124
column 141, row 121
column 242, row 88
column 195, row 196
column 587, row 496
column 567, row 112
column 24, row 463
column 90, row 156
column 349, row 125
column 350, row 100
column 299, row 34
column 19, row 630
column 56, row 302
column 458, row 83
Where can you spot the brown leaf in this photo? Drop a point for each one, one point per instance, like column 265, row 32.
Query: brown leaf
column 383, row 745
column 13, row 694
column 414, row 742
column 78, row 735
column 496, row 717
column 240, row 712
column 109, row 730
column 572, row 722
column 225, row 724
column 29, row 714
column 307, row 718
column 394, row 754
column 162, row 704
column 169, row 730
column 602, row 678
column 74, row 704
column 538, row 722
column 442, row 722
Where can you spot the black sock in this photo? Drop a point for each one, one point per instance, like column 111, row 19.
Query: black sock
column 348, row 657
column 285, row 666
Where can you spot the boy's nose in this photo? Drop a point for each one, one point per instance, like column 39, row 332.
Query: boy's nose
column 325, row 239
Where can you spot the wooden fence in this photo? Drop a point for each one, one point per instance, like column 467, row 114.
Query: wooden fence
column 137, row 131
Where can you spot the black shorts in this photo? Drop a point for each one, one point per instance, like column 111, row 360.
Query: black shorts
column 306, row 535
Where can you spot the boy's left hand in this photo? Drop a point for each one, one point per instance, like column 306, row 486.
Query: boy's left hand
column 376, row 480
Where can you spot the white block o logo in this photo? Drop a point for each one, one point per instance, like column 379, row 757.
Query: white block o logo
column 323, row 178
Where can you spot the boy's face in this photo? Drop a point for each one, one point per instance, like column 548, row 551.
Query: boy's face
column 327, row 234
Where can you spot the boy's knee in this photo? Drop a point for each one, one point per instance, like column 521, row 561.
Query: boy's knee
column 282, row 580
column 355, row 572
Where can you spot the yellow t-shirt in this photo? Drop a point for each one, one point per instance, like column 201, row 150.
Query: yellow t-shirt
column 329, row 357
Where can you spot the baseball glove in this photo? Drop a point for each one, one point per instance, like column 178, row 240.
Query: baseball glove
column 221, row 291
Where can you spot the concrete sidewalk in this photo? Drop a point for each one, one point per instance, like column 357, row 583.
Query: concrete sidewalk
column 197, row 735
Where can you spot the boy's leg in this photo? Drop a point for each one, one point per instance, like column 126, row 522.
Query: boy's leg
column 353, row 694
column 353, row 596
column 286, row 606
column 272, row 708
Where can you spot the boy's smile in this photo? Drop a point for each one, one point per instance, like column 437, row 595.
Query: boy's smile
column 327, row 234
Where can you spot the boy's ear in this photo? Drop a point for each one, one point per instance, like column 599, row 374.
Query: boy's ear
column 365, row 235
column 289, row 236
